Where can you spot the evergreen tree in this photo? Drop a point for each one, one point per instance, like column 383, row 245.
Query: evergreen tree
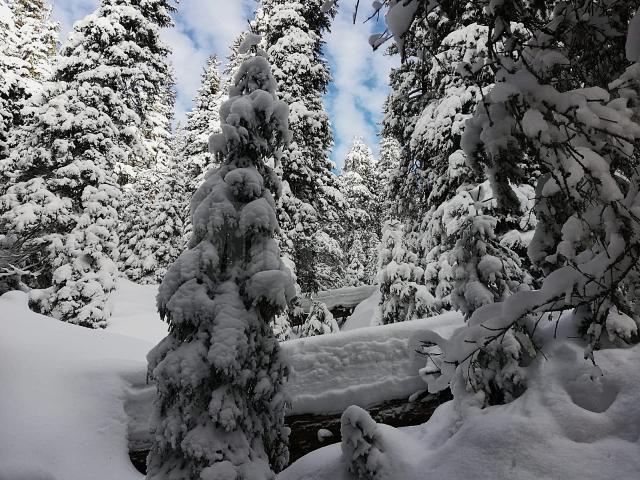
column 38, row 37
column 202, row 122
column 152, row 237
column 62, row 201
column 308, row 207
column 13, row 70
column 404, row 297
column 579, row 121
column 320, row 321
column 154, row 206
column 361, row 224
column 137, row 66
column 387, row 164
column 453, row 222
column 13, row 74
column 219, row 373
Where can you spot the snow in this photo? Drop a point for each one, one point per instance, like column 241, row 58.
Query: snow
column 365, row 314
column 574, row 421
column 343, row 297
column 62, row 403
column 362, row 367
column 135, row 314
column 6, row 16
column 633, row 39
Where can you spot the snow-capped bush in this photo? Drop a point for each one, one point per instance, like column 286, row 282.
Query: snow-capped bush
column 320, row 321
column 404, row 296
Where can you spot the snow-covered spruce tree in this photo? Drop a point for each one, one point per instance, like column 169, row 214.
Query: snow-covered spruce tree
column 320, row 321
column 156, row 212
column 458, row 225
column 27, row 47
column 308, row 208
column 387, row 163
column 361, row 223
column 202, row 122
column 357, row 272
column 38, row 36
column 13, row 72
column 400, row 278
column 62, row 201
column 579, row 118
column 220, row 405
column 136, row 65
column 154, row 206
column 155, row 129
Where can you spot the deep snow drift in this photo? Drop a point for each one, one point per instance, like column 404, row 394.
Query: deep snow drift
column 63, row 390
column 64, row 387
column 575, row 421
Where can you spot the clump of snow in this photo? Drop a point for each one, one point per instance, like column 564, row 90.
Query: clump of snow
column 63, row 392
column 324, row 434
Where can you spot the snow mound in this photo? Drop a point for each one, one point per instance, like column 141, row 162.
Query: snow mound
column 135, row 313
column 62, row 404
column 574, row 421
column 364, row 367
column 365, row 314
column 341, row 297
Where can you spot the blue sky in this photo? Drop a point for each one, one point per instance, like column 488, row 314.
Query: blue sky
column 203, row 27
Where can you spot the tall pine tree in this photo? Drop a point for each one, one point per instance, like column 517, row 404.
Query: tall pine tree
column 38, row 36
column 308, row 207
column 472, row 251
column 361, row 222
column 220, row 405
column 62, row 201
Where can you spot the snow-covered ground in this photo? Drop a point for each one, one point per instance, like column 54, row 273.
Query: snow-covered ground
column 64, row 387
column 360, row 367
column 135, row 314
column 63, row 390
column 575, row 421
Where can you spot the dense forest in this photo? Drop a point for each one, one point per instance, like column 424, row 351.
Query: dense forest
column 504, row 192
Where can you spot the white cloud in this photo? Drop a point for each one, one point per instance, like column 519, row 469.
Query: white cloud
column 67, row 12
column 360, row 82
column 203, row 27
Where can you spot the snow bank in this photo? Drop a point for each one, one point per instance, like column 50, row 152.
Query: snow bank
column 574, row 421
column 365, row 314
column 360, row 367
column 341, row 297
column 135, row 313
column 63, row 389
